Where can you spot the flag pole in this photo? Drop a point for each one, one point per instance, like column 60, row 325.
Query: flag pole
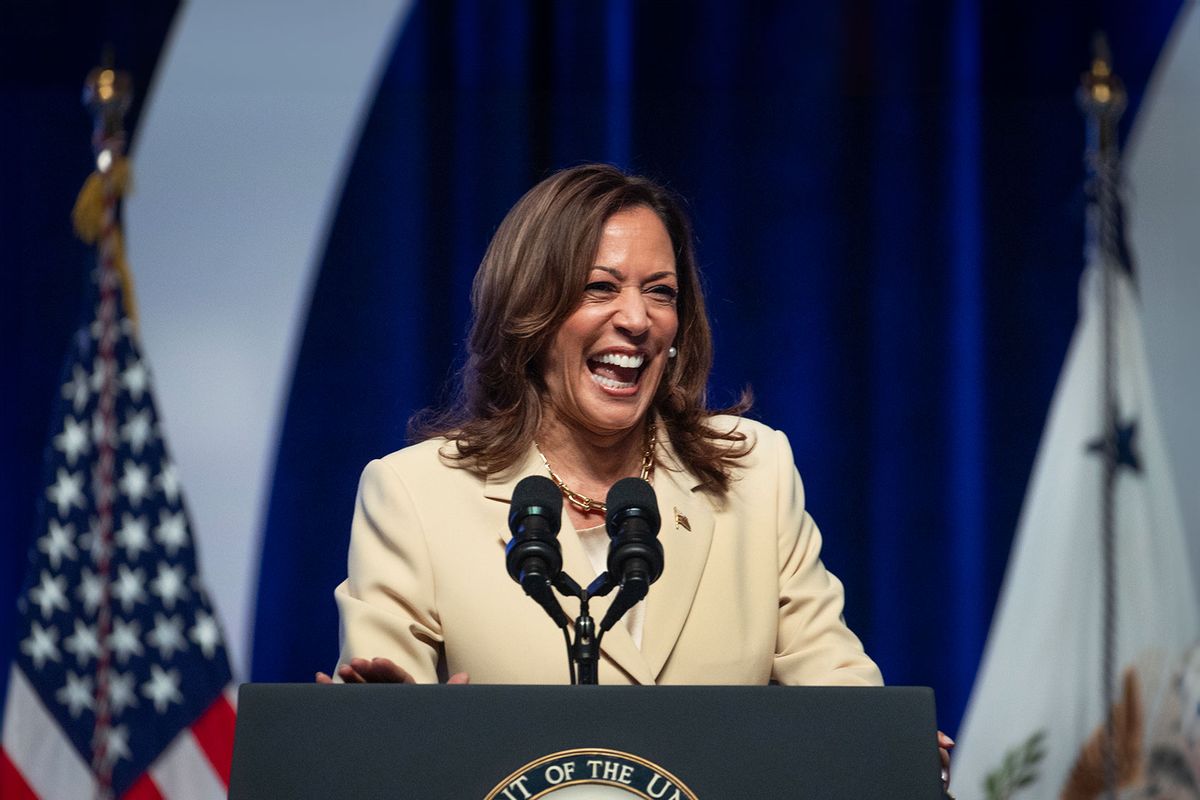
column 1102, row 99
column 108, row 95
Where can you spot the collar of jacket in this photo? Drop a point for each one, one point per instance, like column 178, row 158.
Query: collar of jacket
column 685, row 553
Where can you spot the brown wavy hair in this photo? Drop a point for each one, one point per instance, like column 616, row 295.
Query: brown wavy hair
column 531, row 279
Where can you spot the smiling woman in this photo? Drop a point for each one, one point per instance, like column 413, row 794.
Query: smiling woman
column 589, row 355
column 609, row 355
column 589, row 266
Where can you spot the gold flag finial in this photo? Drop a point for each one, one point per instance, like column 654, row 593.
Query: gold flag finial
column 1101, row 93
column 108, row 94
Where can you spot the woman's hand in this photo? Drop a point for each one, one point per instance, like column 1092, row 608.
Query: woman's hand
column 945, row 745
column 379, row 670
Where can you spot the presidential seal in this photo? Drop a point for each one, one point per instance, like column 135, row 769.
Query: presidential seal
column 591, row 773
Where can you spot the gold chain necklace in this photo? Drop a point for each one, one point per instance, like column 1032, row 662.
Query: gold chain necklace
column 582, row 501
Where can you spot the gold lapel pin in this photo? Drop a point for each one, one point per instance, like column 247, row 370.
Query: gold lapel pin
column 681, row 521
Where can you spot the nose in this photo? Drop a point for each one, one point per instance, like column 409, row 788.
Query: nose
column 631, row 315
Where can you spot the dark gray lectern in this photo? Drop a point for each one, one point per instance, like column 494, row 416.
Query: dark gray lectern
column 523, row 742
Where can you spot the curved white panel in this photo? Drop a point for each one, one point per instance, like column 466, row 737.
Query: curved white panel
column 1163, row 169
column 240, row 158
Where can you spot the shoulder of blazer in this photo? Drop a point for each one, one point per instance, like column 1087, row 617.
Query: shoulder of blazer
column 428, row 461
column 762, row 439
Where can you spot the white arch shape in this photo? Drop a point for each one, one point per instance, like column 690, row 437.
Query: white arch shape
column 241, row 153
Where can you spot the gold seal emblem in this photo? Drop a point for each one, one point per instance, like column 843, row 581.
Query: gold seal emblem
column 591, row 773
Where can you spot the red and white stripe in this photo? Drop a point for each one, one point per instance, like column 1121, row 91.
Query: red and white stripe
column 38, row 761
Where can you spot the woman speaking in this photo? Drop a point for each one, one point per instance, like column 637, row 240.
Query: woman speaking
column 589, row 353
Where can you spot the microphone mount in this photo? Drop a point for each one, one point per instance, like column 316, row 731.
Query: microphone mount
column 534, row 560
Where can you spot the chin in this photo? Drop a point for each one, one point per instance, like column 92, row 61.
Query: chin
column 617, row 421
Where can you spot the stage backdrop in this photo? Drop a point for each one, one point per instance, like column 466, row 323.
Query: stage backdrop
column 889, row 211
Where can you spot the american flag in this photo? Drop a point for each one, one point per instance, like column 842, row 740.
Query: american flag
column 121, row 682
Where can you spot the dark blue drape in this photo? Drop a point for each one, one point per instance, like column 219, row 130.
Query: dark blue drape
column 887, row 197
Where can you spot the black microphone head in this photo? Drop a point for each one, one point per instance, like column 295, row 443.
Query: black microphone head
column 632, row 521
column 534, row 519
column 631, row 497
column 536, row 496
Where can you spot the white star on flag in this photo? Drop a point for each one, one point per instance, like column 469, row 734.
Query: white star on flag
column 73, row 441
column 76, row 390
column 206, row 634
column 83, row 643
column 171, row 532
column 163, row 687
column 130, row 587
column 168, row 481
column 116, row 744
column 90, row 591
column 137, row 430
column 58, row 542
column 93, row 541
column 125, row 639
column 135, row 483
column 167, row 635
column 67, row 491
column 134, row 536
column 120, row 692
column 102, row 431
column 101, row 372
column 169, row 584
column 135, row 379
column 77, row 694
column 50, row 594
column 42, row 644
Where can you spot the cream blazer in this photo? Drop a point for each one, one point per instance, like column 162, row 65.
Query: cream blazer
column 743, row 598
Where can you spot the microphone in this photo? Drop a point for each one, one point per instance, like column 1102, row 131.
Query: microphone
column 533, row 557
column 635, row 556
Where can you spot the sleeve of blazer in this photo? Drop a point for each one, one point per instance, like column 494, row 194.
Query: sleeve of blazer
column 387, row 604
column 813, row 645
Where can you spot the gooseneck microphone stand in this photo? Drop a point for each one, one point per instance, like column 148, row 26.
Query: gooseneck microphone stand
column 533, row 559
column 584, row 653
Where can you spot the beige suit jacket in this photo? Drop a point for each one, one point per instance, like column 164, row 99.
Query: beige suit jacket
column 743, row 598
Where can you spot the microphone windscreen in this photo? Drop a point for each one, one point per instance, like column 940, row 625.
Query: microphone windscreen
column 536, row 496
column 630, row 494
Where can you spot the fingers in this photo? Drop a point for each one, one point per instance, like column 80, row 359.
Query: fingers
column 384, row 670
column 945, row 744
column 349, row 674
column 379, row 670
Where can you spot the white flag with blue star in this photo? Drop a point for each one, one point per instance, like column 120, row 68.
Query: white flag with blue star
column 1033, row 721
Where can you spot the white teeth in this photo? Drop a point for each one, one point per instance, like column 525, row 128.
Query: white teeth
column 629, row 362
column 610, row 383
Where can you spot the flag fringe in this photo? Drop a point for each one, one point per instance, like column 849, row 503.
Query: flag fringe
column 88, row 218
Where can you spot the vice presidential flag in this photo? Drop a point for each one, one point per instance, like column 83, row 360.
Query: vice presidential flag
column 1034, row 724
column 119, row 686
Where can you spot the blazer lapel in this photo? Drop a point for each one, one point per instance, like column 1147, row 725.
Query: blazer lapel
column 685, row 554
column 617, row 644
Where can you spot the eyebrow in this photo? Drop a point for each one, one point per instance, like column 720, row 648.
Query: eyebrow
column 616, row 273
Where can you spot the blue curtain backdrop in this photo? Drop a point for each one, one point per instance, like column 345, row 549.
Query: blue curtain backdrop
column 888, row 202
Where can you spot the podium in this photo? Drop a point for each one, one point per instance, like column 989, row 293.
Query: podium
column 579, row 742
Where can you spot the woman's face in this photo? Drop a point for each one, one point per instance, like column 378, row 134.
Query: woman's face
column 606, row 360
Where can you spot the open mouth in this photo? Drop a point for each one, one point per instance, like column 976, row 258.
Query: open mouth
column 616, row 370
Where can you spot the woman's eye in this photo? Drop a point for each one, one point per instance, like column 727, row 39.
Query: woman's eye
column 666, row 292
column 600, row 286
